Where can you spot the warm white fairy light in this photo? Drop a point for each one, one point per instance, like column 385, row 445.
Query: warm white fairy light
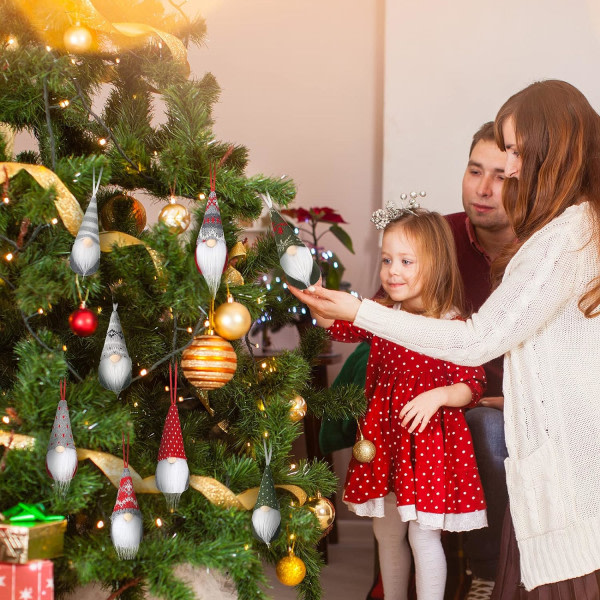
column 9, row 256
column 159, row 522
column 117, row 60
column 5, row 419
column 63, row 103
column 180, row 398
column 166, row 388
column 11, row 41
column 6, row 199
column 201, row 196
column 54, row 221
column 48, row 49
column 189, row 330
column 40, row 311
column 100, row 524
column 266, row 434
column 64, row 348
column 102, row 141
column 143, row 372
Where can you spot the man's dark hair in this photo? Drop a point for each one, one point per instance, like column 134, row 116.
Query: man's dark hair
column 485, row 133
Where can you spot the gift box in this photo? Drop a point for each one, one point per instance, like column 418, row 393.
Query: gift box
column 28, row 533
column 32, row 581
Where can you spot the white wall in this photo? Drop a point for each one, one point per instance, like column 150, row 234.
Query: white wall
column 451, row 65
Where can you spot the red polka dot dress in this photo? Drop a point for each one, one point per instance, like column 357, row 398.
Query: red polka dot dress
column 433, row 473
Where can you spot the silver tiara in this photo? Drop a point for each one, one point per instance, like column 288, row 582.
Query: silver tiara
column 384, row 216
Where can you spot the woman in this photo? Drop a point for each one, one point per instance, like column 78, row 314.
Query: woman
column 542, row 318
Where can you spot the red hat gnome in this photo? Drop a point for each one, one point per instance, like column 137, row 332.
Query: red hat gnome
column 294, row 257
column 126, row 520
column 61, row 457
column 172, row 472
column 211, row 250
column 85, row 254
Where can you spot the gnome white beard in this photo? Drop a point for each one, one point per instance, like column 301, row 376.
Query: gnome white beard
column 211, row 262
column 62, row 467
column 172, row 479
column 85, row 256
column 298, row 265
column 265, row 521
column 115, row 376
column 126, row 535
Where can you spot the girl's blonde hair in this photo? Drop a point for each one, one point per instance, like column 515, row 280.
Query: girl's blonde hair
column 436, row 260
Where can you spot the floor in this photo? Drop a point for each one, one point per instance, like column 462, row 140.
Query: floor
column 349, row 574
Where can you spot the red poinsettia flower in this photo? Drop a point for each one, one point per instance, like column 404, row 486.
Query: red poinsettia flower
column 326, row 214
column 300, row 214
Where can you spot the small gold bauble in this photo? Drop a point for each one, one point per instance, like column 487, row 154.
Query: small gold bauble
column 78, row 39
column 324, row 511
column 122, row 210
column 176, row 217
column 363, row 451
column 209, row 362
column 290, row 570
column 232, row 320
column 297, row 409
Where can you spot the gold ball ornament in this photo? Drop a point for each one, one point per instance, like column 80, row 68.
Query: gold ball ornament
column 290, row 570
column 78, row 39
column 324, row 511
column 209, row 362
column 176, row 217
column 120, row 209
column 364, row 451
column 297, row 409
column 232, row 320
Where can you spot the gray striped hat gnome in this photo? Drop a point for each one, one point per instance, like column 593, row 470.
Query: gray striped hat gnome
column 266, row 518
column 114, row 371
column 61, row 457
column 294, row 257
column 172, row 471
column 211, row 250
column 126, row 520
column 85, row 254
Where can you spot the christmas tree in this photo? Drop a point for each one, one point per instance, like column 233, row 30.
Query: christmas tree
column 121, row 358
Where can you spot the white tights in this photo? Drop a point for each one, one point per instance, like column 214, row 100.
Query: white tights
column 394, row 555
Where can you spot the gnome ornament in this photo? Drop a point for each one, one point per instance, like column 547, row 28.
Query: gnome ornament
column 172, row 472
column 85, row 254
column 61, row 458
column 266, row 518
column 211, row 250
column 294, row 257
column 126, row 520
column 114, row 371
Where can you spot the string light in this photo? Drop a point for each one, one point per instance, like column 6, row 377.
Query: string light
column 246, row 546
column 48, row 49
column 189, row 330
column 63, row 103
column 54, row 221
column 100, row 524
column 6, row 420
column 158, row 522
column 64, row 348
column 102, row 141
column 11, row 41
column 266, row 434
column 6, row 199
column 201, row 196
column 117, row 60
column 135, row 404
column 143, row 373
column 166, row 388
column 40, row 311
column 180, row 398
column 9, row 256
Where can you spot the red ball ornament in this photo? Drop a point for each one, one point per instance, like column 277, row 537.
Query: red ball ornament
column 83, row 322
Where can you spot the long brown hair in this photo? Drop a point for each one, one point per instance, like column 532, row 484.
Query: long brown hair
column 436, row 260
column 558, row 137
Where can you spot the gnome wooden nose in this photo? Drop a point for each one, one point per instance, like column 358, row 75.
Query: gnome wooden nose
column 115, row 358
column 292, row 250
column 211, row 242
column 265, row 508
column 171, row 459
column 87, row 242
column 128, row 516
column 60, row 449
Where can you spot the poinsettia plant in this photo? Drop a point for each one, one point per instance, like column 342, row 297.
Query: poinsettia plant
column 309, row 222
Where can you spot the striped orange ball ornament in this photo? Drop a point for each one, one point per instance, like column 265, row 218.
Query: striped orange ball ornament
column 209, row 362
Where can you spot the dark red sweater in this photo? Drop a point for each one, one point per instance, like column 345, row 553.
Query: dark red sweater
column 474, row 265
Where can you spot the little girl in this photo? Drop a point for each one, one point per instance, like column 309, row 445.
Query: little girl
column 424, row 477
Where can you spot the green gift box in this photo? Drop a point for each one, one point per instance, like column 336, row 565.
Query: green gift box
column 28, row 533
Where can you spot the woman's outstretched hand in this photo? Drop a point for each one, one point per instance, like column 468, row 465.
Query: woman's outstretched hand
column 329, row 304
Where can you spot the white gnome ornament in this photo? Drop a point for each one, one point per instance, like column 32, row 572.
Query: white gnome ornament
column 85, row 254
column 211, row 250
column 266, row 518
column 114, row 371
column 126, row 525
column 172, row 472
column 61, row 457
column 294, row 257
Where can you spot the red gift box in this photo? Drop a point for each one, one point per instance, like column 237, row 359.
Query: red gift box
column 31, row 581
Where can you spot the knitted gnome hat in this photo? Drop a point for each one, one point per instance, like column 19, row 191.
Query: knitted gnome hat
column 115, row 341
column 126, row 499
column 171, row 443
column 61, row 429
column 284, row 238
column 266, row 493
column 89, row 228
column 211, row 228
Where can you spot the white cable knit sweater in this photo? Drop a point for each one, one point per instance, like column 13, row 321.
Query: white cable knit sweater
column 551, row 390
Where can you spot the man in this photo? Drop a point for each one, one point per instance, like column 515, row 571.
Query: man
column 480, row 233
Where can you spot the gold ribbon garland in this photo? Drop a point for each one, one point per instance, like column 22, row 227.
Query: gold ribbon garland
column 112, row 467
column 232, row 276
column 87, row 14
column 108, row 239
column 66, row 204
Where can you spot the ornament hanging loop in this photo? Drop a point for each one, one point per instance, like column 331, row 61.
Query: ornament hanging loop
column 125, row 456
column 63, row 389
